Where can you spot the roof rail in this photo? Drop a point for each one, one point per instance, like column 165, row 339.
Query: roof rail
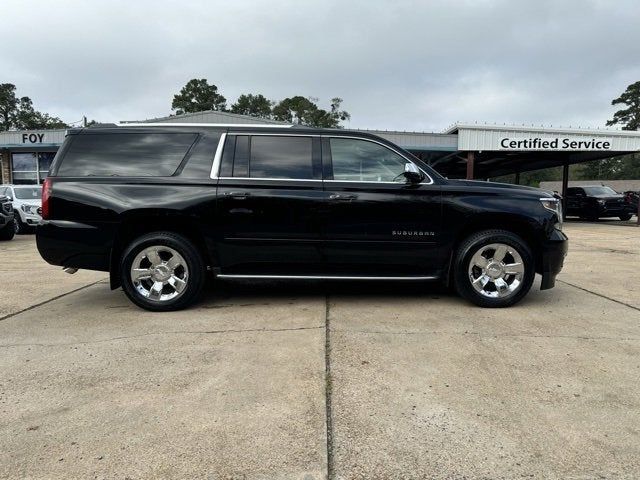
column 232, row 125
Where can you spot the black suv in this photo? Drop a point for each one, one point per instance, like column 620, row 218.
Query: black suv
column 160, row 205
column 7, row 225
column 597, row 201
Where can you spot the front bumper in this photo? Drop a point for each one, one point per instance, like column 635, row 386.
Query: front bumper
column 5, row 218
column 30, row 219
column 554, row 249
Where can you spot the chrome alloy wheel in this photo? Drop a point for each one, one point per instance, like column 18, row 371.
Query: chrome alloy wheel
column 159, row 273
column 496, row 270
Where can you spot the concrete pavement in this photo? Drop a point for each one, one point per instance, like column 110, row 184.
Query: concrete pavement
column 421, row 384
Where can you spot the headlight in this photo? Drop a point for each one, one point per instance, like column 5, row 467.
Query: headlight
column 29, row 209
column 600, row 202
column 555, row 205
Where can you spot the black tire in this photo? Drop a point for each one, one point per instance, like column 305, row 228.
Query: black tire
column 185, row 248
column 625, row 217
column 593, row 217
column 470, row 246
column 8, row 232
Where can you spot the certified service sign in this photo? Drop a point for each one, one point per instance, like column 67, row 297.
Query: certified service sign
column 559, row 143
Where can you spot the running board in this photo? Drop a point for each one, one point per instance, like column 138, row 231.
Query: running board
column 322, row 277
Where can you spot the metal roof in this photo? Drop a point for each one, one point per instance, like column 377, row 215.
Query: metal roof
column 210, row 116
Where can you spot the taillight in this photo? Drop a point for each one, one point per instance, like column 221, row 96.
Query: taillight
column 46, row 193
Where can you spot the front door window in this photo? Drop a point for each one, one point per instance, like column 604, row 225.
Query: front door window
column 362, row 161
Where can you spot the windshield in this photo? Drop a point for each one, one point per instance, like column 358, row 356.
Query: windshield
column 28, row 193
column 600, row 191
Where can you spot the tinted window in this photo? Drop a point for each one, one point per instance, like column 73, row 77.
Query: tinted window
column 126, row 154
column 363, row 161
column 279, row 157
column 241, row 159
column 201, row 156
column 600, row 191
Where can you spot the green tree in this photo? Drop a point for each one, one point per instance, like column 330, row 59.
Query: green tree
column 625, row 166
column 8, row 106
column 19, row 114
column 305, row 111
column 254, row 105
column 628, row 117
column 196, row 96
column 29, row 119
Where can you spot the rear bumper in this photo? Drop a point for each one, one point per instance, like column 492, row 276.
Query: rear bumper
column 76, row 245
column 554, row 250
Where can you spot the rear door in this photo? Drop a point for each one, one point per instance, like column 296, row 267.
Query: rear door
column 377, row 224
column 269, row 196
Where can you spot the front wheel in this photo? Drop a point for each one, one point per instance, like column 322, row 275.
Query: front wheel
column 493, row 268
column 162, row 271
column 8, row 231
column 625, row 217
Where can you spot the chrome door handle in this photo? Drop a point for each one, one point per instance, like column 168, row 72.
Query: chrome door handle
column 237, row 195
column 344, row 197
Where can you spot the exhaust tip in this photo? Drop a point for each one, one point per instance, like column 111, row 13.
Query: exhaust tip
column 69, row 270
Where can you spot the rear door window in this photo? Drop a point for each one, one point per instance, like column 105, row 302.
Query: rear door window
column 279, row 157
column 126, row 154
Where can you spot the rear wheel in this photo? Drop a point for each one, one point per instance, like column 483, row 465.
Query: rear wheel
column 162, row 271
column 494, row 268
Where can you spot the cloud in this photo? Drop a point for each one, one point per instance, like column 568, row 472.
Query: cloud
column 408, row 65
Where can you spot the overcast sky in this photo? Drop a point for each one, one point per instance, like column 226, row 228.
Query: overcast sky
column 405, row 65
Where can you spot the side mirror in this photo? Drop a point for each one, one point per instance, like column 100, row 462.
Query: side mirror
column 412, row 173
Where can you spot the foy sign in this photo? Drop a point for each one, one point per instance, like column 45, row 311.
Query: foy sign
column 32, row 137
column 557, row 143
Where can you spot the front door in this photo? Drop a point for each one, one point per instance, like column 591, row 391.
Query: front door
column 377, row 223
column 269, row 195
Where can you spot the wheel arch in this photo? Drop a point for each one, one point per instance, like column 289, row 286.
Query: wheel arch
column 519, row 225
column 138, row 223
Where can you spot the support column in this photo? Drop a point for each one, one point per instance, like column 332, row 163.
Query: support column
column 517, row 178
column 471, row 160
column 5, row 160
column 565, row 185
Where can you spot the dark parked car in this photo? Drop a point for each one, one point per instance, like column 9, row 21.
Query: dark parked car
column 7, row 227
column 160, row 206
column 597, row 201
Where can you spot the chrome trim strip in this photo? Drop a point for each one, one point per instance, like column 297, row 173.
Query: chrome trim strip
column 314, row 180
column 215, row 168
column 274, row 179
column 321, row 277
column 430, row 182
column 225, row 125
column 379, row 183
column 252, row 134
